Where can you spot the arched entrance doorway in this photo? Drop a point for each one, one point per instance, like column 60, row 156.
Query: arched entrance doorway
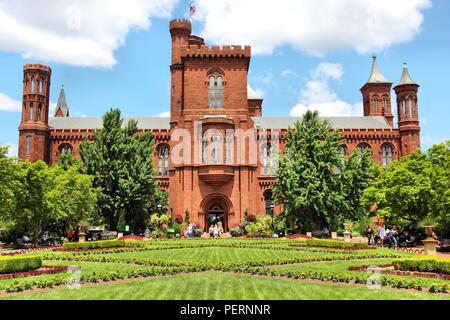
column 216, row 208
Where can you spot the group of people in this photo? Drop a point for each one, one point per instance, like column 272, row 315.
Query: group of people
column 389, row 235
column 216, row 230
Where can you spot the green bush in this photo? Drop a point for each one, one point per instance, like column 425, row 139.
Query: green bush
column 94, row 245
column 19, row 264
column 336, row 244
column 423, row 265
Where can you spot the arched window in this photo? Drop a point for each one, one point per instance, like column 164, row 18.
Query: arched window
column 33, row 86
column 387, row 154
column 385, row 104
column 216, row 148
column 65, row 149
column 39, row 115
column 410, row 107
column 212, row 141
column 41, row 86
column 163, row 161
column 363, row 146
column 268, row 160
column 28, row 145
column 343, row 150
column 31, row 111
column 229, row 149
column 375, row 105
column 404, row 108
column 215, row 88
column 268, row 202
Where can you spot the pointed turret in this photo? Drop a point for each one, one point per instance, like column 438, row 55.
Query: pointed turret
column 377, row 95
column 406, row 77
column 376, row 76
column 62, row 110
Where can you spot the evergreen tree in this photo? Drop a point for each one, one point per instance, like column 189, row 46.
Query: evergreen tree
column 120, row 160
column 317, row 184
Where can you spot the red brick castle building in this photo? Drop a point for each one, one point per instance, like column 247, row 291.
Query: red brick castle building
column 200, row 163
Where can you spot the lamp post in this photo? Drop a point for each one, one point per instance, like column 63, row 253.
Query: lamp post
column 272, row 209
column 159, row 210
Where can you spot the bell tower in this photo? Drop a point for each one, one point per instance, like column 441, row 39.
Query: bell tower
column 408, row 112
column 377, row 95
column 34, row 131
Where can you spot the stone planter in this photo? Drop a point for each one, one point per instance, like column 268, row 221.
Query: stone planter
column 334, row 235
column 429, row 243
column 82, row 237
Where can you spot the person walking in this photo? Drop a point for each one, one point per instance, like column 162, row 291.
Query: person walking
column 381, row 234
column 369, row 232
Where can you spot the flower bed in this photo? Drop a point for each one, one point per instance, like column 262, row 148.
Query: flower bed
column 94, row 245
column 334, row 248
column 336, row 244
column 18, row 264
column 42, row 271
column 423, row 265
column 402, row 273
column 134, row 238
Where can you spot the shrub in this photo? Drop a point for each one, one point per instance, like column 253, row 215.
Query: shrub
column 423, row 265
column 336, row 244
column 94, row 245
column 237, row 231
column 179, row 219
column 261, row 227
column 19, row 264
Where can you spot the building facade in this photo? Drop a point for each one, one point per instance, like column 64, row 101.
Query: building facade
column 215, row 154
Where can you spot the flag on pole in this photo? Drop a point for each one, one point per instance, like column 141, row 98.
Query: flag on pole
column 192, row 9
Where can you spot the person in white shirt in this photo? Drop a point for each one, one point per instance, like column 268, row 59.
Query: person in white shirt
column 381, row 234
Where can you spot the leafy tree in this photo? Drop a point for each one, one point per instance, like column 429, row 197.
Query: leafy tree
column 9, row 184
column 415, row 188
column 317, row 184
column 120, row 160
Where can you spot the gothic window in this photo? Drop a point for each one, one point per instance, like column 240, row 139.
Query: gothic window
column 410, row 107
column 343, row 150
column 215, row 89
column 65, row 149
column 39, row 114
column 33, row 86
column 387, row 154
column 163, row 161
column 214, row 142
column 268, row 202
column 31, row 111
column 385, row 104
column 404, row 108
column 41, row 86
column 375, row 105
column 216, row 150
column 229, row 149
column 363, row 146
column 28, row 145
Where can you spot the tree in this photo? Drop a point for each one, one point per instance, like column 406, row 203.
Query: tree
column 414, row 188
column 120, row 160
column 9, row 184
column 317, row 184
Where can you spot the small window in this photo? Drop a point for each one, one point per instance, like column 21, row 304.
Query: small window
column 410, row 108
column 404, row 108
column 385, row 104
column 214, row 141
column 163, row 161
column 33, row 86
column 215, row 90
column 65, row 149
column 41, row 86
column 31, row 111
column 375, row 105
column 363, row 146
column 28, row 145
column 268, row 202
column 39, row 115
column 343, row 150
column 387, row 154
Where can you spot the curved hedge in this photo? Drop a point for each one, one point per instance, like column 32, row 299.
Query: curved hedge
column 94, row 245
column 336, row 244
column 19, row 264
column 423, row 265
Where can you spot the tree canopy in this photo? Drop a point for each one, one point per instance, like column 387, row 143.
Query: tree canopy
column 120, row 160
column 415, row 188
column 317, row 184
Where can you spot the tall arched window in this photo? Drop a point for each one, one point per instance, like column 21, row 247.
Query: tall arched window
column 39, row 114
column 65, row 149
column 268, row 202
column 33, row 86
column 28, row 145
column 163, row 161
column 343, row 150
column 41, row 86
column 212, row 142
column 269, row 167
column 216, row 148
column 229, row 149
column 375, row 105
column 404, row 108
column 215, row 89
column 385, row 104
column 387, row 154
column 363, row 146
column 31, row 111
column 410, row 107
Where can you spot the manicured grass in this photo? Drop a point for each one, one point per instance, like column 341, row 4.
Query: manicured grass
column 214, row 255
column 217, row 286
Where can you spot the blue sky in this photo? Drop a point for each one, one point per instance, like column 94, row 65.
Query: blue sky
column 122, row 60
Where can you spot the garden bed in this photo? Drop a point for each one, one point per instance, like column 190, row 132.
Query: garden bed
column 336, row 244
column 41, row 271
column 10, row 264
column 94, row 245
column 401, row 273
column 94, row 249
column 329, row 247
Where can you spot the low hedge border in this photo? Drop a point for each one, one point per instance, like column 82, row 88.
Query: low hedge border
column 94, row 245
column 423, row 265
column 336, row 244
column 403, row 273
column 42, row 271
column 333, row 248
column 13, row 264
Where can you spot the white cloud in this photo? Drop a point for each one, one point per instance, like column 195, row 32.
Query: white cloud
column 163, row 114
column 317, row 94
column 9, row 104
column 316, row 27
column 75, row 32
column 288, row 73
column 260, row 92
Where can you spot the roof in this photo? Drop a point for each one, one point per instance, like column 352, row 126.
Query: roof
column 336, row 122
column 406, row 77
column 62, row 104
column 251, row 94
column 155, row 123
column 376, row 76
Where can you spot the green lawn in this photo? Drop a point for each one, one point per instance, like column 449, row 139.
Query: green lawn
column 219, row 286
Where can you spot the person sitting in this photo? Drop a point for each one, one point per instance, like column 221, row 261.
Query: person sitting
column 211, row 231
column 216, row 231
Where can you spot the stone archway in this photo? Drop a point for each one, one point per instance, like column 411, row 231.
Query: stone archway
column 216, row 209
